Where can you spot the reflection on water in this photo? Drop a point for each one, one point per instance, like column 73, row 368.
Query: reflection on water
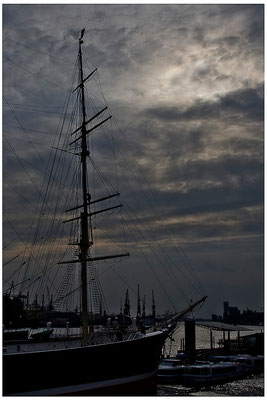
column 252, row 386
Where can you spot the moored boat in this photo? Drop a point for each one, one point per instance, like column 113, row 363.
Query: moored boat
column 42, row 335
column 15, row 334
column 220, row 369
column 108, row 367
column 250, row 363
column 204, row 374
column 170, row 371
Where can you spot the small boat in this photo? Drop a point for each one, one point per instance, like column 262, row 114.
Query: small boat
column 204, row 374
column 170, row 370
column 250, row 364
column 42, row 335
column 15, row 334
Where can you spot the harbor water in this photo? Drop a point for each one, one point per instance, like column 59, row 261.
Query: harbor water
column 250, row 386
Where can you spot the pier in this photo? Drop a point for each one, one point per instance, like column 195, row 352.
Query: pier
column 232, row 340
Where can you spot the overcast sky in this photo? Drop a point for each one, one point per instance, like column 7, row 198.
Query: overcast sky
column 185, row 85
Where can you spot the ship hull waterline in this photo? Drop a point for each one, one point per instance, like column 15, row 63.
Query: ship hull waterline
column 123, row 367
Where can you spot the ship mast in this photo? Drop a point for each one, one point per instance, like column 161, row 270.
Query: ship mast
column 86, row 239
column 84, row 243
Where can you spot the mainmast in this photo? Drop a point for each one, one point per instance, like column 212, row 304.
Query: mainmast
column 84, row 243
column 86, row 239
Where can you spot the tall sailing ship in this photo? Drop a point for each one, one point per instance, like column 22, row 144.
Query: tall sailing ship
column 120, row 358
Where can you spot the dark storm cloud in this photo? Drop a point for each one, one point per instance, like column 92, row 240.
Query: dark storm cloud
column 241, row 186
column 243, row 103
column 242, row 170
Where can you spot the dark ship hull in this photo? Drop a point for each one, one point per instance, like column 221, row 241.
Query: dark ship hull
column 125, row 367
